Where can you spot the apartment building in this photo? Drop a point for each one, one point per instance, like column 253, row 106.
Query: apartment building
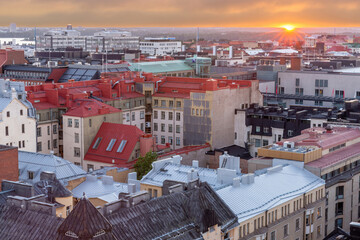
column 256, row 127
column 337, row 83
column 190, row 111
column 100, row 41
column 80, row 125
column 17, row 117
column 282, row 202
column 160, row 46
column 330, row 153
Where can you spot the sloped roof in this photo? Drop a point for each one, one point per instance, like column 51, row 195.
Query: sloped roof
column 58, row 190
column 120, row 132
column 269, row 190
column 90, row 107
column 85, row 221
column 181, row 215
column 4, row 102
column 16, row 223
column 38, row 162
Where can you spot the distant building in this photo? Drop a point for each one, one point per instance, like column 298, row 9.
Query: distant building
column 160, row 46
column 12, row 27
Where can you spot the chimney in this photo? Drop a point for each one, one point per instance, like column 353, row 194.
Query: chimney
column 131, row 188
column 192, row 175
column 231, row 52
column 236, row 182
column 195, row 163
column 214, row 50
column 248, row 178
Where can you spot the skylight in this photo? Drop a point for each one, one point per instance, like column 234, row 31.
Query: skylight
column 111, row 144
column 96, row 144
column 121, row 146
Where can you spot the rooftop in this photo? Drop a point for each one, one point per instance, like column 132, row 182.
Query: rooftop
column 89, row 107
column 38, row 162
column 278, row 185
column 161, row 67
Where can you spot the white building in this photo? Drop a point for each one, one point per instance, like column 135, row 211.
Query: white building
column 17, row 117
column 344, row 83
column 160, row 46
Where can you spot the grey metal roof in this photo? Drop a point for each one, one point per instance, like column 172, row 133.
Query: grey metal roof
column 38, row 162
column 269, row 190
column 104, row 188
column 179, row 173
column 4, row 102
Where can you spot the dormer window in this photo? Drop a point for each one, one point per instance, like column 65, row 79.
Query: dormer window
column 30, row 175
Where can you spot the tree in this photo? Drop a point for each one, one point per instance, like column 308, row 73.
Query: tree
column 143, row 164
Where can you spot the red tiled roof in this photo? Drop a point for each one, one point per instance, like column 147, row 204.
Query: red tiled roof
column 43, row 105
column 119, row 132
column 90, row 107
column 321, row 138
column 336, row 156
column 184, row 150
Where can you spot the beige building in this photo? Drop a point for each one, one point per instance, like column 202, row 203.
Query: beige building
column 80, row 125
column 332, row 154
column 47, row 130
column 282, row 202
column 17, row 128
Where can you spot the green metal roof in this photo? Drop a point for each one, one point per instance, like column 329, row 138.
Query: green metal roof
column 161, row 66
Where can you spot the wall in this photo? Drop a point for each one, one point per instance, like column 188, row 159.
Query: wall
column 151, row 188
column 66, row 201
column 9, row 164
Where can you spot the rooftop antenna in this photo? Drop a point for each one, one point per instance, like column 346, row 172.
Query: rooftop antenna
column 35, row 37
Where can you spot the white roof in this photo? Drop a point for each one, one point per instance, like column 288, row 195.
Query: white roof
column 253, row 51
column 341, row 53
column 268, row 191
column 179, row 173
column 285, row 51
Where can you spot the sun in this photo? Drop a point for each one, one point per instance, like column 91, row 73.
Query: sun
column 288, row 27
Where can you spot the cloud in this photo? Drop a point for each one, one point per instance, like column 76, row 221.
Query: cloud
column 185, row 13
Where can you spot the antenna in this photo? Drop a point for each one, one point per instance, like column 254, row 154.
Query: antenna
column 35, row 38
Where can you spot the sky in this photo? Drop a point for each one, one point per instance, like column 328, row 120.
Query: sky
column 181, row 13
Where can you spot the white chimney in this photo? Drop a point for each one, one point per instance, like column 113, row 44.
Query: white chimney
column 198, row 48
column 231, row 52
column 214, row 51
column 236, row 182
column 195, row 163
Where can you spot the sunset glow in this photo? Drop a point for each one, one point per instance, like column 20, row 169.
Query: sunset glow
column 288, row 27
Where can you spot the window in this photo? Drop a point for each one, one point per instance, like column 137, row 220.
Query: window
column 170, row 128
column 290, row 133
column 39, row 146
column 319, row 212
column 339, row 192
column 6, row 131
column 257, row 143
column 128, row 117
column 339, row 94
column 97, row 142
column 297, row 224
column 142, row 114
column 55, row 143
column 279, row 81
column 281, row 90
column 69, row 122
column 177, row 128
column 30, row 175
column 49, row 146
column 297, row 82
column 318, row 103
column 170, row 116
column 121, row 146
column 90, row 167
column 155, row 114
column 8, row 114
column 156, row 102
column 272, row 236
column 339, row 208
column 155, row 193
column 163, row 103
column 178, row 104
column 76, row 152
column 155, row 127
column 286, row 230
column 319, row 92
column 299, row 101
column 257, row 129
column 177, row 116
column 111, row 145
column 38, row 131
column 162, row 115
column 170, row 140
column 162, row 139
column 266, row 130
column 177, row 141
column 23, row 143
column 76, row 123
column 171, row 103
column 21, row 112
column 48, row 130
column 299, row 91
column 265, row 142
column 339, row 223
column 23, row 128
column 132, row 116
column 55, row 129
column 90, row 123
column 163, row 127
column 318, row 231
column 76, row 138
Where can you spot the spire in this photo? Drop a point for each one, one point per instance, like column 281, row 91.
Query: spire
column 85, row 222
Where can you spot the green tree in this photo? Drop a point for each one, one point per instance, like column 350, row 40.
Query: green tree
column 143, row 164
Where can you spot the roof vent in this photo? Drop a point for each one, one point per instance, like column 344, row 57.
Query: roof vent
column 248, row 178
column 236, row 182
